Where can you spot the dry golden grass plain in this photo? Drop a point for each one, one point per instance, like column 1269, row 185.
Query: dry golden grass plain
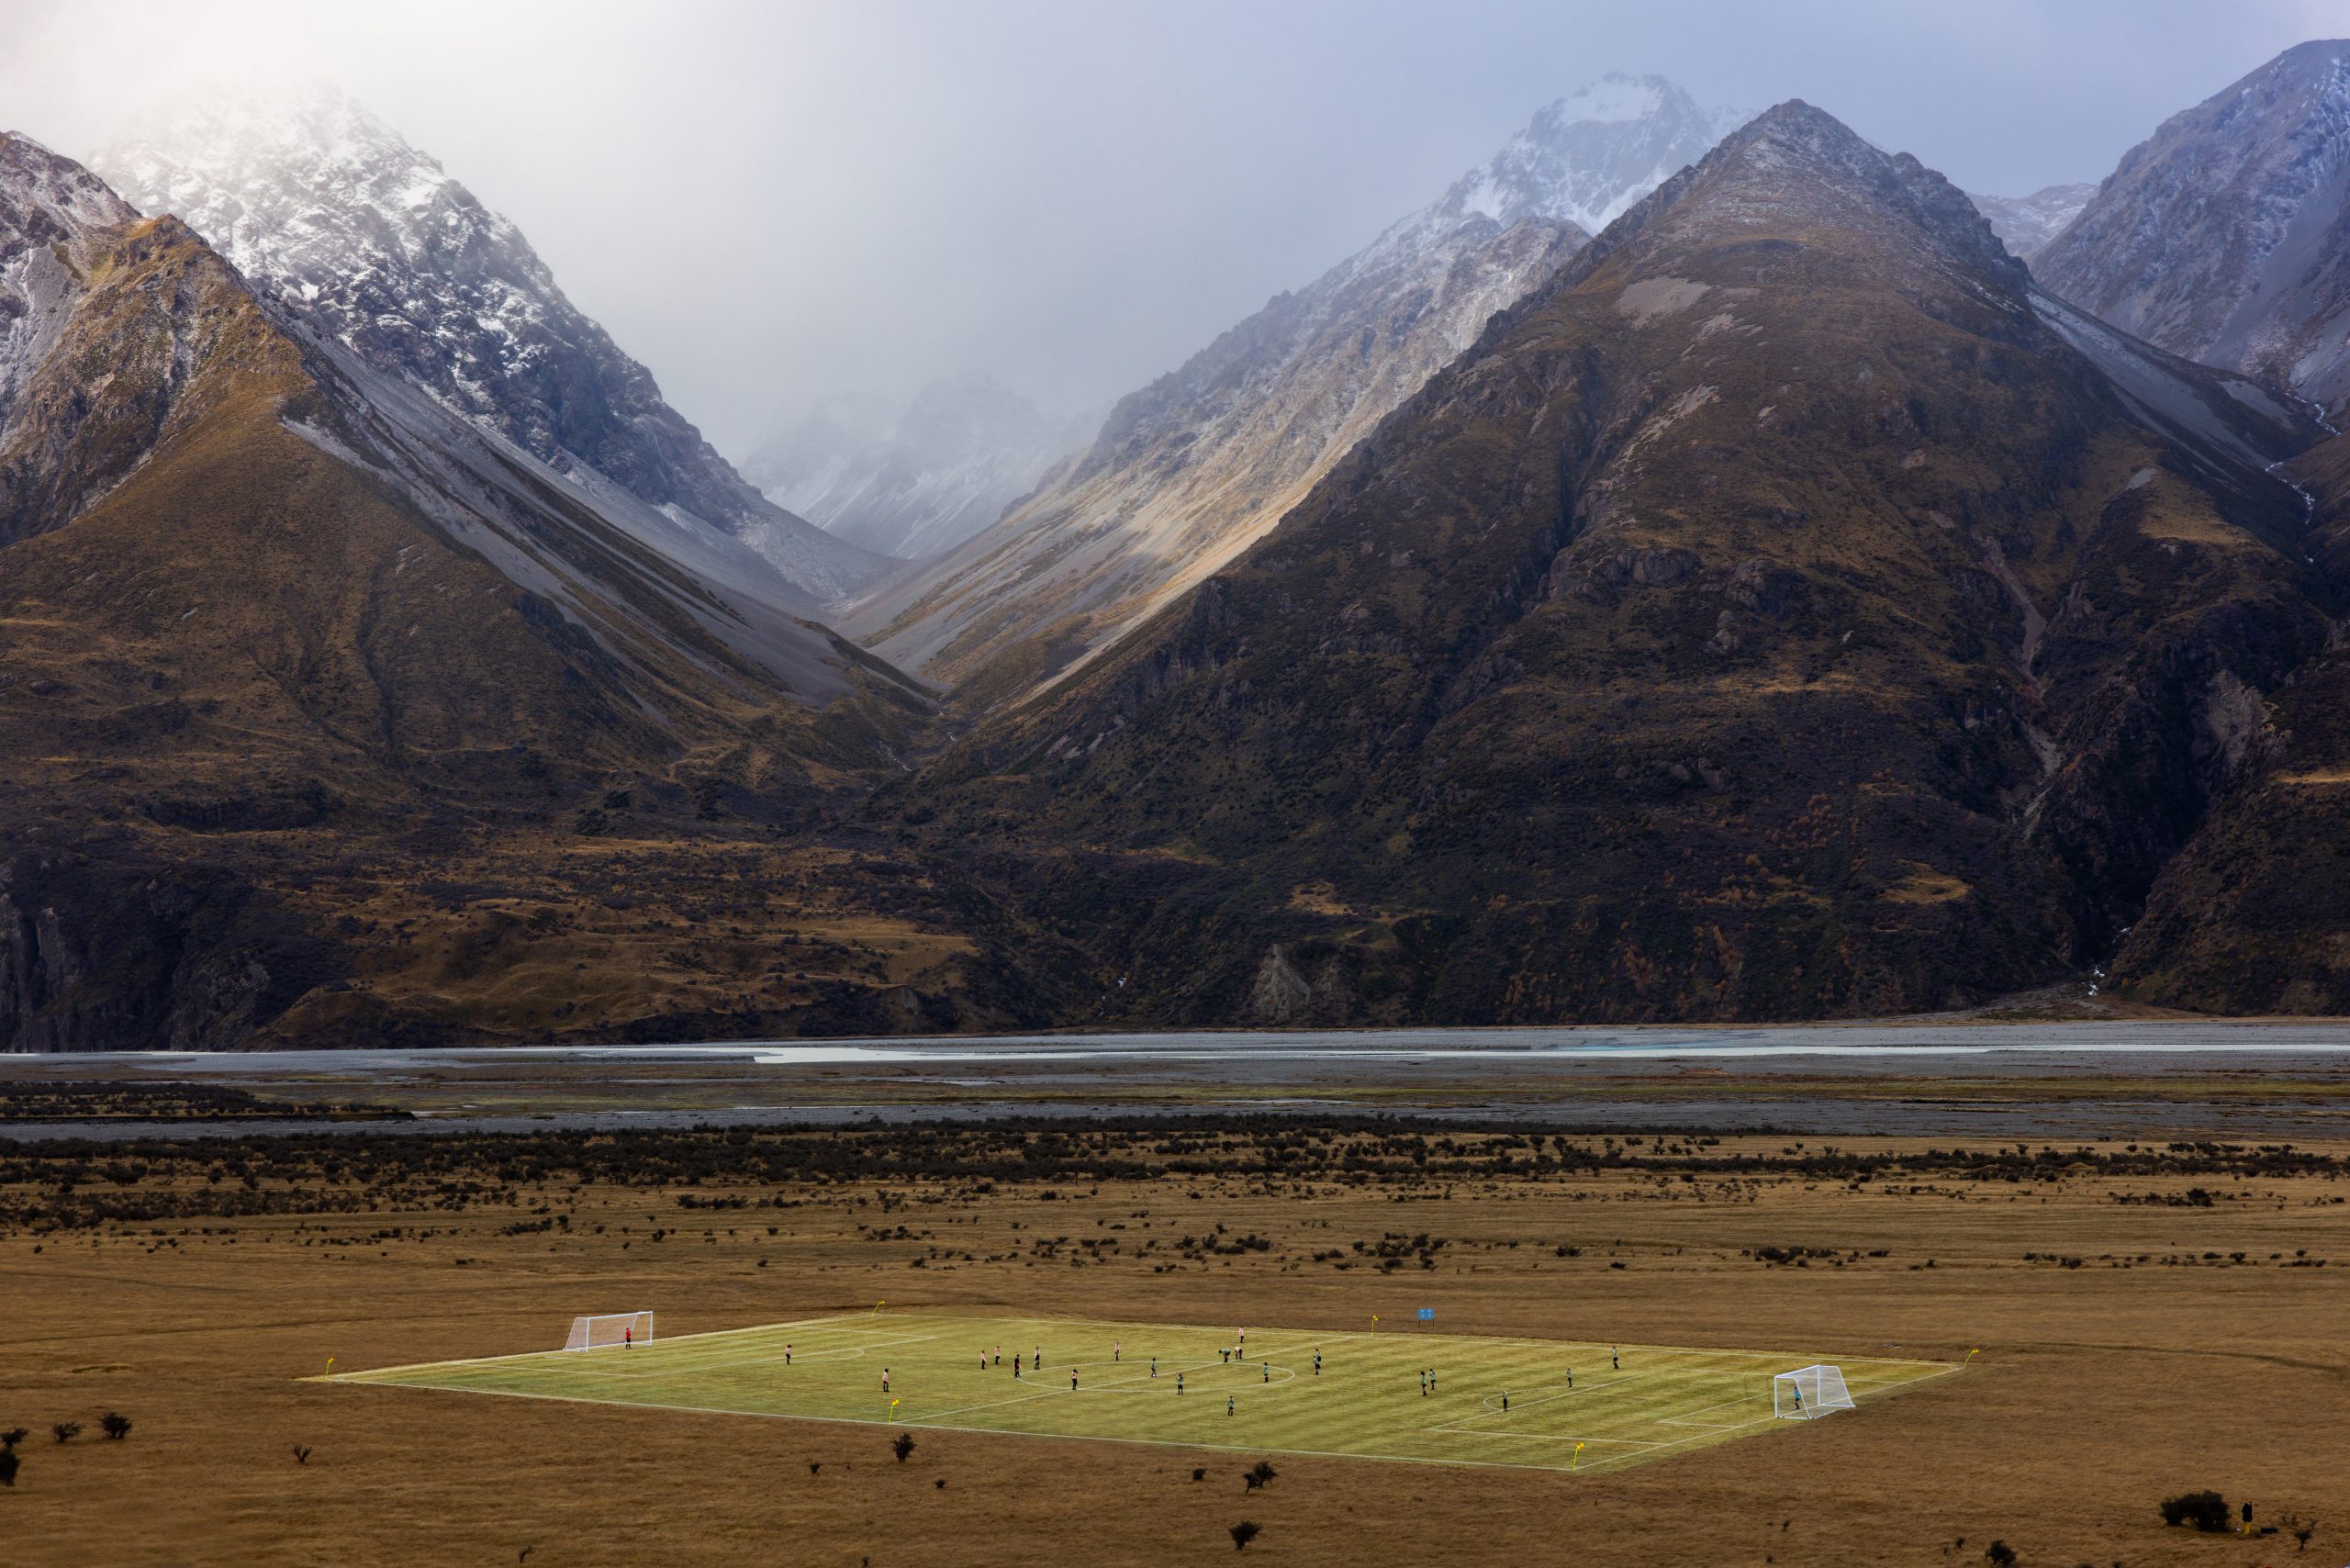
column 2155, row 1364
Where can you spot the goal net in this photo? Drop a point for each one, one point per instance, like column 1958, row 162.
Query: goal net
column 609, row 1328
column 1808, row 1392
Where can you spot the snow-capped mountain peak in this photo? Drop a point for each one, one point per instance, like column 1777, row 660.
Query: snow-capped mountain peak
column 1616, row 97
column 47, row 196
column 293, row 188
column 1589, row 156
column 321, row 204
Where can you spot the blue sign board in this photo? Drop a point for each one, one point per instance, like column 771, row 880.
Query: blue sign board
column 1428, row 1315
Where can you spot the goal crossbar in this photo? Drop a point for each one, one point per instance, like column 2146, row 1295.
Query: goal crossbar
column 1809, row 1392
column 602, row 1331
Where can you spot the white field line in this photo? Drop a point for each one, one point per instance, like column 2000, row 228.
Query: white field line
column 1689, row 1417
column 1640, row 1445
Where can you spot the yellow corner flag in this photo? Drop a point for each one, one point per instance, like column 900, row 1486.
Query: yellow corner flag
column 1576, row 1462
column 893, row 1404
column 1972, row 1354
column 879, row 1304
column 330, row 1366
column 1374, row 1323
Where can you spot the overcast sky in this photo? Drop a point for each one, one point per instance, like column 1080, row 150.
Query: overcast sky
column 773, row 202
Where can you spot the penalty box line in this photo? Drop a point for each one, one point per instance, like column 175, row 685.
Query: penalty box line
column 1713, row 1433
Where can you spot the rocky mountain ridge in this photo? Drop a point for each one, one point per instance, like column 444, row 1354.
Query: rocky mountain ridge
column 2223, row 237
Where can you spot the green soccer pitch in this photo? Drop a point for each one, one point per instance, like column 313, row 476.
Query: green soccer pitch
column 1366, row 1401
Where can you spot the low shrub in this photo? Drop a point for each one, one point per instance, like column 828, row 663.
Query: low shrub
column 2205, row 1511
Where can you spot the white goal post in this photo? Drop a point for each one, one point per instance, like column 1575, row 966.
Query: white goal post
column 1809, row 1392
column 609, row 1328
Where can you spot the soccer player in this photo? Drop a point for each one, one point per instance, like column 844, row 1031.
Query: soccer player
column 1267, row 1368
column 1317, row 1362
column 1798, row 1388
column 1037, row 1360
column 1505, row 1403
column 628, row 1337
column 1117, row 1349
column 787, row 1353
column 885, row 1380
column 999, row 1355
column 1228, row 1403
column 1615, row 1358
column 1072, row 1380
column 1015, row 1365
column 1224, row 1354
column 1570, row 1380
column 1178, row 1383
column 1154, row 1366
column 983, row 1361
column 1423, row 1383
